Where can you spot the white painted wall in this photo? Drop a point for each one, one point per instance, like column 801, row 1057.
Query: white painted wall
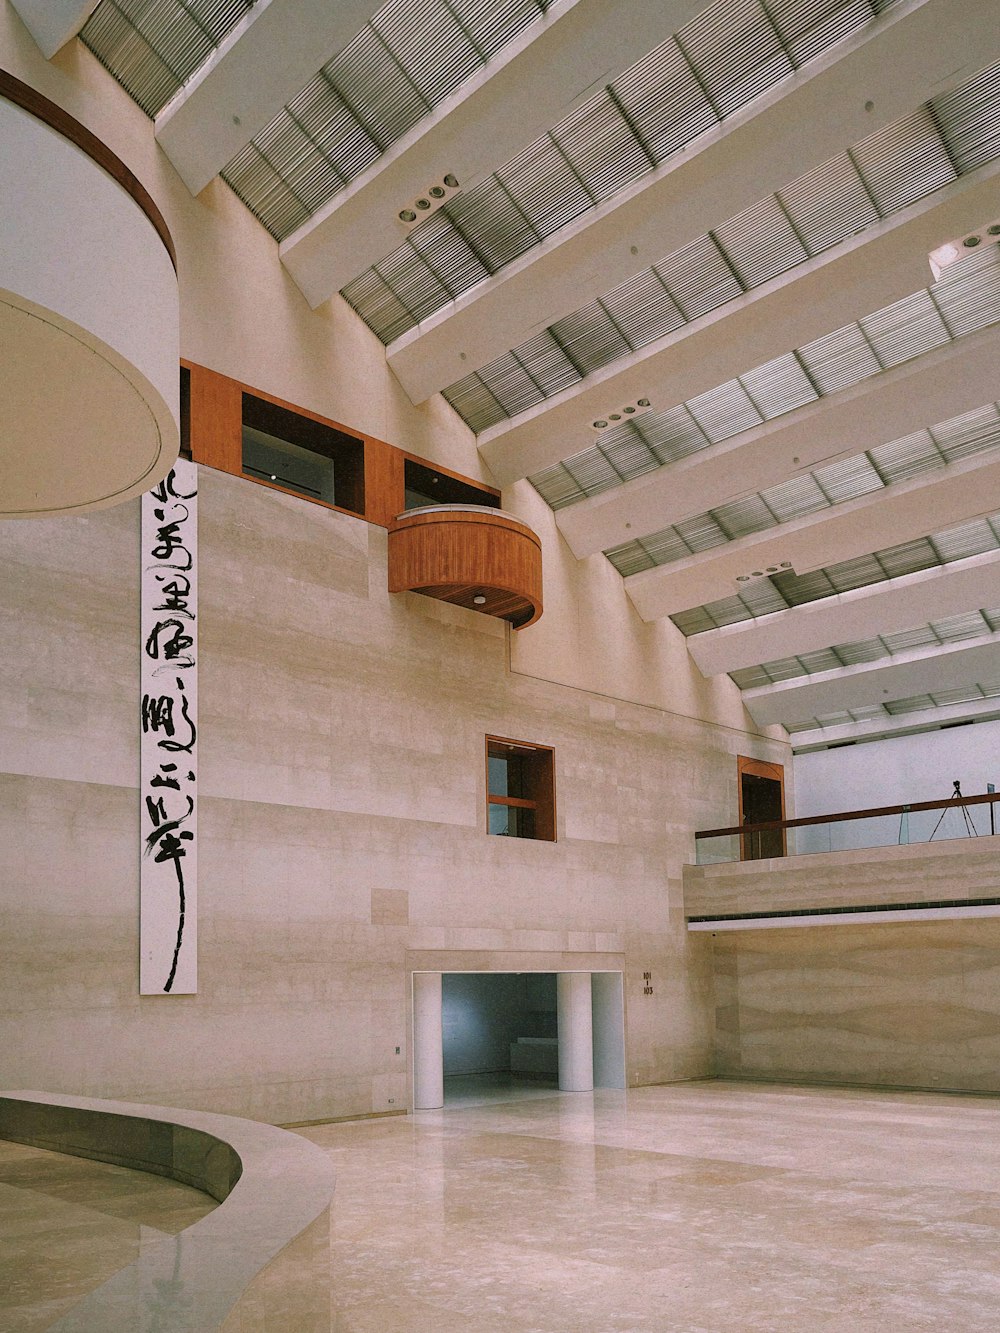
column 893, row 772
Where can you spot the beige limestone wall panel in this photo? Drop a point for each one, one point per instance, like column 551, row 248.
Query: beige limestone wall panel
column 907, row 1005
column 342, row 821
column 962, row 870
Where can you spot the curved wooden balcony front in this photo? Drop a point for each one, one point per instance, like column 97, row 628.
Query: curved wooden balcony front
column 471, row 556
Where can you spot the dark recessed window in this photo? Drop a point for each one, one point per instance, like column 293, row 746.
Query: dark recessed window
column 303, row 455
column 425, row 486
column 521, row 794
column 185, row 406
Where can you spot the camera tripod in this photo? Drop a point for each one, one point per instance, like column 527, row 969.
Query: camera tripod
column 970, row 829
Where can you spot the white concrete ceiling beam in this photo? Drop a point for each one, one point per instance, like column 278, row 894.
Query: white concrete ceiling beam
column 875, row 729
column 929, row 670
column 881, row 265
column 576, row 48
column 850, row 617
column 917, row 50
column 269, row 56
column 905, row 511
column 925, row 391
column 53, row 22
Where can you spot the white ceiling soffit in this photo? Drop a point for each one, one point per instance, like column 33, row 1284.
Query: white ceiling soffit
column 880, row 266
column 930, row 388
column 53, row 22
column 893, row 606
column 916, row 50
column 266, row 59
column 905, row 511
column 930, row 670
column 565, row 56
column 945, row 715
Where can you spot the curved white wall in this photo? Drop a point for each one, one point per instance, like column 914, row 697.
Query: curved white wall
column 90, row 330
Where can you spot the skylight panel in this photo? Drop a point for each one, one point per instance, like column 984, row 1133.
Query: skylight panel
column 153, row 49
column 722, row 60
column 791, row 589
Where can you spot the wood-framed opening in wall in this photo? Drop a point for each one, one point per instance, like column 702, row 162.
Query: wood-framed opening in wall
column 761, row 799
column 521, row 789
column 301, row 454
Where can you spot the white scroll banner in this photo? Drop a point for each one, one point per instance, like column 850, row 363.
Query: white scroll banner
column 168, row 763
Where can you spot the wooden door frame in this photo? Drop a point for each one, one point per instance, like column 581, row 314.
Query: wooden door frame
column 759, row 768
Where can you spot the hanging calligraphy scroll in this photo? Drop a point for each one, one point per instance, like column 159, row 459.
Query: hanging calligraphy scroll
column 168, row 766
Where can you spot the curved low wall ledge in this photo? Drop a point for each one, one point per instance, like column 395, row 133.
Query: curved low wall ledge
column 470, row 555
column 260, row 1261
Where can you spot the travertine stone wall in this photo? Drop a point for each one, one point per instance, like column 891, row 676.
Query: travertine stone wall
column 906, row 1004
column 342, row 821
column 958, row 870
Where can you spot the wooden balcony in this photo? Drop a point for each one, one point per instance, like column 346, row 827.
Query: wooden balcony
column 471, row 556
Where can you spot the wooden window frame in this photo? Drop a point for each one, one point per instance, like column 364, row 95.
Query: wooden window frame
column 541, row 781
column 759, row 768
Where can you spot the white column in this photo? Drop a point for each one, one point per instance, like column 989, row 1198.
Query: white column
column 576, row 1032
column 609, row 1030
column 428, row 1049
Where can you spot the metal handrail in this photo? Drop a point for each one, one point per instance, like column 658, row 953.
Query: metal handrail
column 843, row 815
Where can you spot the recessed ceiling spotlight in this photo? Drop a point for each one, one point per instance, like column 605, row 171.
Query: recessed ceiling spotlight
column 772, row 569
column 786, row 564
column 423, row 203
column 431, row 199
column 479, row 599
column 742, row 578
column 643, row 402
column 451, row 181
column 407, row 215
column 758, row 574
column 951, row 251
column 615, row 416
column 600, row 424
column 628, row 410
column 436, row 192
column 971, row 242
column 993, row 229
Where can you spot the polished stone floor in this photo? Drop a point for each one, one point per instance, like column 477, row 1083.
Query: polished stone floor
column 694, row 1208
column 67, row 1224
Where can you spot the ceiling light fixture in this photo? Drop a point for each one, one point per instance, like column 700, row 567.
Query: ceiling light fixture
column 428, row 201
column 629, row 410
column 950, row 251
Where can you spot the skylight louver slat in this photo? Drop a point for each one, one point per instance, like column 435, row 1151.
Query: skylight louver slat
column 821, row 659
column 750, row 678
column 698, row 278
column 643, row 309
column 666, row 546
column 510, row 384
column 475, row 402
column 968, row 293
column 411, row 277
column 556, row 487
column 628, row 453
column 961, row 694
column 956, row 629
column 695, row 621
column 735, row 52
column 333, row 128
column 798, row 589
column 447, row 252
column 828, row 204
column 796, row 498
column 848, row 479
column 759, row 243
column 547, row 363
column 629, row 558
column 779, row 386
column 968, row 122
column 377, row 90
column 970, row 434
column 787, row 668
column 853, row 654
column 592, row 472
column 903, row 162
column 429, row 43
column 488, row 214
column 898, row 460
column 724, row 411
column 807, row 29
column 701, row 533
column 589, row 338
column 907, row 558
column 664, row 101
column 905, row 329
column 601, row 147
column 965, row 540
column 839, row 359
column 763, row 598
column 547, row 190
column 672, row 434
column 908, row 640
column 992, row 618
column 276, row 205
column 740, row 518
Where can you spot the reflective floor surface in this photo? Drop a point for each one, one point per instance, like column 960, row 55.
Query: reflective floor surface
column 67, row 1224
column 703, row 1207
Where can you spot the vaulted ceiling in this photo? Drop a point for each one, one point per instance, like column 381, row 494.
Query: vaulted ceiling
column 677, row 277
